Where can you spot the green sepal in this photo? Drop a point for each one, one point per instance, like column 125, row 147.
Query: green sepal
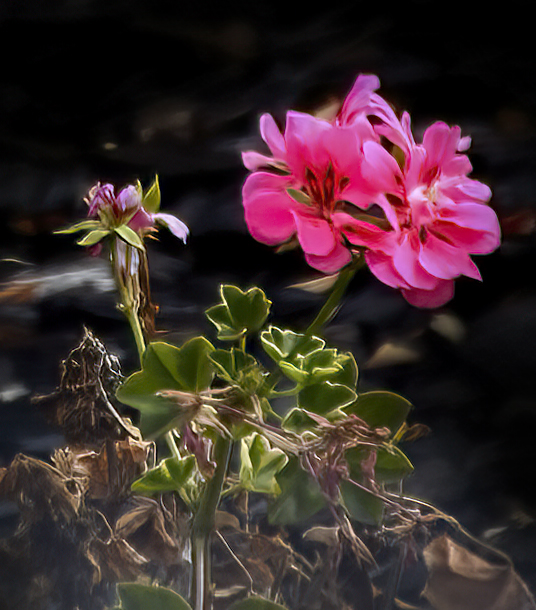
column 239, row 313
column 93, row 237
column 85, row 225
column 299, row 196
column 172, row 474
column 381, row 409
column 256, row 603
column 300, row 496
column 130, row 236
column 260, row 464
column 151, row 197
column 135, row 596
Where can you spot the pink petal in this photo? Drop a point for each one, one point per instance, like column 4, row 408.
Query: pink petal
column 443, row 292
column 362, row 233
column 305, row 148
column 268, row 208
column 440, row 142
column 470, row 240
column 382, row 267
column 476, row 216
column 446, row 261
column 332, row 262
column 358, row 98
column 380, row 169
column 406, row 262
column 315, row 234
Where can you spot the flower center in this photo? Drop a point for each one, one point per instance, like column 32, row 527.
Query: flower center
column 322, row 191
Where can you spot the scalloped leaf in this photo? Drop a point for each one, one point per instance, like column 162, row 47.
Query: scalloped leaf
column 300, row 496
column 381, row 409
column 239, row 313
column 135, row 596
column 324, row 397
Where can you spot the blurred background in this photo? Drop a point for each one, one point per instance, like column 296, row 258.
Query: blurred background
column 115, row 90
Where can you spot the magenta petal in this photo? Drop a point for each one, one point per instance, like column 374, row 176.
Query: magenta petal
column 362, row 233
column 176, row 226
column 406, row 262
column 446, row 261
column 335, row 260
column 382, row 267
column 380, row 169
column 477, row 216
column 141, row 220
column 430, row 299
column 268, row 208
column 314, row 234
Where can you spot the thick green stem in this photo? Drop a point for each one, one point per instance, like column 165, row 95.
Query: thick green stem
column 331, row 306
column 203, row 527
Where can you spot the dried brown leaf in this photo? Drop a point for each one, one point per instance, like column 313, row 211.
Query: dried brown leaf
column 461, row 580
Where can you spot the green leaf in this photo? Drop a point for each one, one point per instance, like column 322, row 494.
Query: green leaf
column 256, row 603
column 166, row 367
column 362, row 505
column 300, row 496
column 171, row 474
column 136, row 596
column 348, row 373
column 381, row 409
column 151, row 197
column 85, row 225
column 239, row 313
column 93, row 237
column 391, row 465
column 130, row 237
column 238, row 368
column 298, row 421
column 259, row 464
column 324, row 397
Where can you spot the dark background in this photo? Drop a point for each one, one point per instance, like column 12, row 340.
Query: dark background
column 96, row 89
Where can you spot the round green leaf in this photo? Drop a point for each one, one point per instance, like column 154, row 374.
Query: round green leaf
column 381, row 409
column 322, row 398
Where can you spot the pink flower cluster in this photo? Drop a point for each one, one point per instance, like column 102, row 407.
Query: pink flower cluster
column 360, row 182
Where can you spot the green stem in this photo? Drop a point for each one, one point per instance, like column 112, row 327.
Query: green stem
column 203, row 526
column 332, row 304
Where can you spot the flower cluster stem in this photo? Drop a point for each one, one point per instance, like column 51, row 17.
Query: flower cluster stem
column 203, row 526
column 332, row 304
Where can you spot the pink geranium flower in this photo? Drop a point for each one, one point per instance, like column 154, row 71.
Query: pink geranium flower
column 442, row 216
column 302, row 190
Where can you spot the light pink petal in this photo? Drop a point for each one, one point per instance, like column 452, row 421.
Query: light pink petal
column 446, row 261
column 476, row 216
column 406, row 262
column 176, row 226
column 381, row 265
column 129, row 198
column 465, row 190
column 315, row 234
column 268, row 208
column 273, row 137
column 255, row 161
column 358, row 99
column 332, row 262
column 429, row 299
column 464, row 144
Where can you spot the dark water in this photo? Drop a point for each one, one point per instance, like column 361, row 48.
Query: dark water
column 119, row 90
